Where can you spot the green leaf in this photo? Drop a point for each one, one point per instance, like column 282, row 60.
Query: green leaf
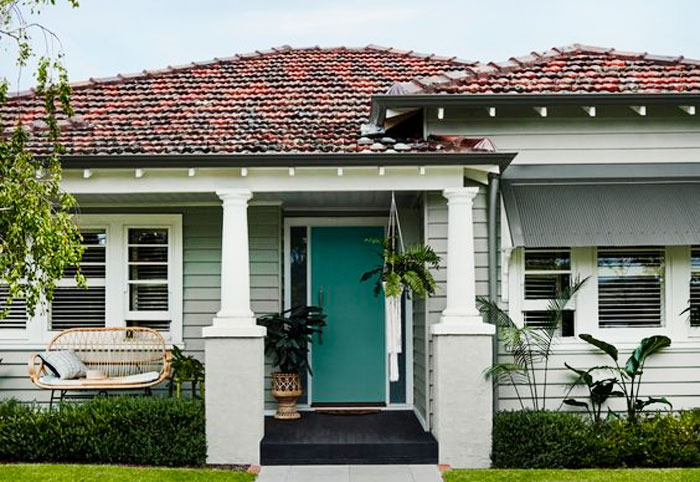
column 575, row 403
column 606, row 347
column 646, row 348
column 583, row 376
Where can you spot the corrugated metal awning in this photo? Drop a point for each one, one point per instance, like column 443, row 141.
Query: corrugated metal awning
column 603, row 205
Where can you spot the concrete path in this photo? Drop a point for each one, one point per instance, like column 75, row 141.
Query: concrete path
column 349, row 473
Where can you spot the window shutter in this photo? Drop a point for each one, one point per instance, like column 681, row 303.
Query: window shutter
column 695, row 287
column 630, row 287
column 75, row 307
column 78, row 308
column 17, row 316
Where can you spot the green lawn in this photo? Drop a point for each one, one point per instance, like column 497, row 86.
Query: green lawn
column 109, row 473
column 621, row 475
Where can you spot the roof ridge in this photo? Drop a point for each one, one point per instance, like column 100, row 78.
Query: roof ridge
column 424, row 84
column 122, row 77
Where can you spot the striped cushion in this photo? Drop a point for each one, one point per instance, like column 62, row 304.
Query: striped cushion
column 64, row 363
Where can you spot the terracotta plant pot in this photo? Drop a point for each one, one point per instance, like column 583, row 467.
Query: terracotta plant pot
column 286, row 388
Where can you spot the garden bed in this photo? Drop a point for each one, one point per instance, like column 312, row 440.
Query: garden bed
column 123, row 430
column 546, row 440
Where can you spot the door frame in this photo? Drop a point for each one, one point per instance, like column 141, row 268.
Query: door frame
column 310, row 222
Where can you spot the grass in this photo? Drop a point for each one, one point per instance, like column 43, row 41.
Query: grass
column 591, row 475
column 110, row 473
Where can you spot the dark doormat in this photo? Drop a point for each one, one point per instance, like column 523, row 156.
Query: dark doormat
column 349, row 412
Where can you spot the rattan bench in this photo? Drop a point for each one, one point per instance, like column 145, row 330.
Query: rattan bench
column 130, row 358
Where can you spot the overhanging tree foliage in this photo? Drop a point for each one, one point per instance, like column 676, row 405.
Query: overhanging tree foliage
column 38, row 238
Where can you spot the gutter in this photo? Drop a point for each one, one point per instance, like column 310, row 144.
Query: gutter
column 434, row 158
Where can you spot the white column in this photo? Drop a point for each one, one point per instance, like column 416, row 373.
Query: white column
column 233, row 349
column 235, row 313
column 462, row 350
column 461, row 284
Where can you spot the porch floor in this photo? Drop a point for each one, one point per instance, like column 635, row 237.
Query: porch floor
column 386, row 437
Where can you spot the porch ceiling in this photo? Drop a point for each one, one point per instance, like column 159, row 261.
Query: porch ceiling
column 172, row 198
column 361, row 200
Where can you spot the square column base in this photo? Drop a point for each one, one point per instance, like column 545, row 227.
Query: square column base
column 463, row 410
column 235, row 398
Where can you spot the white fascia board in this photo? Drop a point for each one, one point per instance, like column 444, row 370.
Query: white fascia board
column 112, row 181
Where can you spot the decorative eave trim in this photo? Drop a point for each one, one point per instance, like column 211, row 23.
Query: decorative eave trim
column 382, row 102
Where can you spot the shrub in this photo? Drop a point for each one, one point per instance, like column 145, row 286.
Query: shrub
column 128, row 430
column 528, row 439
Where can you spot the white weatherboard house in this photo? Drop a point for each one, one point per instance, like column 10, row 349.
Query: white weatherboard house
column 264, row 173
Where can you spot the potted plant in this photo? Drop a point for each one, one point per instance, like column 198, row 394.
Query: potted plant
column 186, row 368
column 406, row 269
column 287, row 344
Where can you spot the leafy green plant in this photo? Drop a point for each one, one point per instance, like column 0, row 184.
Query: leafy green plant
column 289, row 334
column 409, row 269
column 547, row 440
column 629, row 378
column 39, row 240
column 528, row 346
column 599, row 391
column 115, row 430
column 186, row 368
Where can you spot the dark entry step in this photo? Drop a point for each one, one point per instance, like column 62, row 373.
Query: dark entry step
column 386, row 437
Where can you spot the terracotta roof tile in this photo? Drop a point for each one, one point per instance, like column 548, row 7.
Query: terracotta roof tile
column 279, row 100
column 572, row 69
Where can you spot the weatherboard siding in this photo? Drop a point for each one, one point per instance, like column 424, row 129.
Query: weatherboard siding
column 201, row 283
column 616, row 135
column 568, row 136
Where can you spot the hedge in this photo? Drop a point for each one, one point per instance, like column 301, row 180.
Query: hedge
column 124, row 430
column 547, row 440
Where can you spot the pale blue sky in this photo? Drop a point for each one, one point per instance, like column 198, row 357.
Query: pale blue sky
column 102, row 38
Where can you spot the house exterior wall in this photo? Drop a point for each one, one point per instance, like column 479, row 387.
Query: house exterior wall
column 201, row 283
column 617, row 136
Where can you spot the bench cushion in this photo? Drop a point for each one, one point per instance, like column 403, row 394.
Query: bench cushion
column 112, row 382
column 64, row 363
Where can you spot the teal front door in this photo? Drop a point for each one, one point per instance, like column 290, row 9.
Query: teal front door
column 349, row 365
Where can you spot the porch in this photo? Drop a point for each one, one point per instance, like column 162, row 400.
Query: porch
column 437, row 207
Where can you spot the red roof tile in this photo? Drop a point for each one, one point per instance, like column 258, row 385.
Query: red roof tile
column 283, row 100
column 573, row 69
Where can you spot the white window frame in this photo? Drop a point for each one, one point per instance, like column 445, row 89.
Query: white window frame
column 38, row 332
column 584, row 264
column 146, row 315
column 543, row 304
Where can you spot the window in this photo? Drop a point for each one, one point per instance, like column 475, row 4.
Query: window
column 547, row 272
column 76, row 307
column 132, row 264
column 630, row 287
column 147, row 266
column 17, row 315
column 695, row 286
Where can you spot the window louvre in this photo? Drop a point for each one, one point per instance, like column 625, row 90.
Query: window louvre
column 695, row 286
column 148, row 291
column 630, row 287
column 78, row 307
column 17, row 316
column 547, row 272
column 75, row 307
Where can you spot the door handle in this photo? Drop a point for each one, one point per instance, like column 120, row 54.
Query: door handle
column 320, row 297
